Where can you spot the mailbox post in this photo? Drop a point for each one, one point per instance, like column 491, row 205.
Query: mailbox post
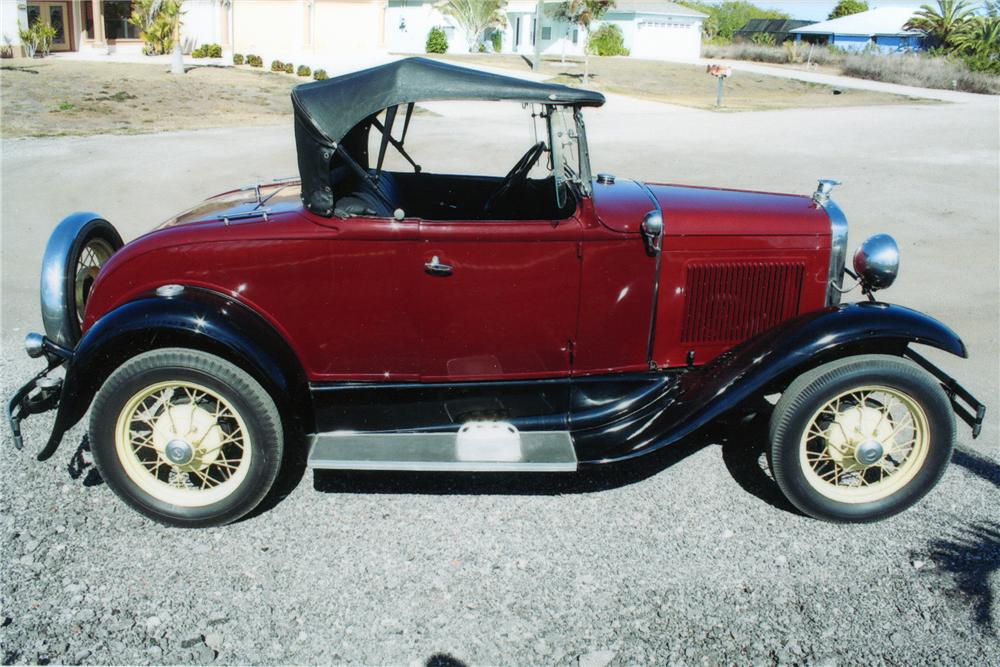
column 721, row 73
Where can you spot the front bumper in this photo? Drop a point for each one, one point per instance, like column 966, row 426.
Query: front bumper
column 39, row 394
column 972, row 412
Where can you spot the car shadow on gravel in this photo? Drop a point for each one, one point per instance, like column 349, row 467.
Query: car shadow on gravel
column 972, row 555
column 81, row 464
column 978, row 465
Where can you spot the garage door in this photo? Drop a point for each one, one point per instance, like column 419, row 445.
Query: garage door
column 664, row 40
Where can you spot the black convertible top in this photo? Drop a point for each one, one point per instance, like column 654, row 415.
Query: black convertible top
column 325, row 111
column 334, row 106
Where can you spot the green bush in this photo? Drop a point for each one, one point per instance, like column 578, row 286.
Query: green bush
column 304, row 70
column 320, row 75
column 277, row 66
column 497, row 39
column 762, row 39
column 607, row 40
column 289, row 68
column 199, row 53
column 254, row 61
column 237, row 58
column 437, row 41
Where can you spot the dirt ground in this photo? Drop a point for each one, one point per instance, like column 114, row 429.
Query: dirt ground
column 55, row 97
column 691, row 85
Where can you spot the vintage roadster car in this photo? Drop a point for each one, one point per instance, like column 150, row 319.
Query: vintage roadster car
column 414, row 321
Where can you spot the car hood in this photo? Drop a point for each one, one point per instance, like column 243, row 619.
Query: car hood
column 690, row 211
column 237, row 202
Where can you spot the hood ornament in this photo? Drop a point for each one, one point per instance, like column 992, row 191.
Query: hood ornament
column 823, row 190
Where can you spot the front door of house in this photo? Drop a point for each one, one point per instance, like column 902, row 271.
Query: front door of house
column 56, row 15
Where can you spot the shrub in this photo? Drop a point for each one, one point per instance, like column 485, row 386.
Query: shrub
column 289, row 68
column 497, row 40
column 607, row 41
column 199, row 53
column 320, row 75
column 762, row 39
column 277, row 66
column 437, row 41
column 237, row 58
column 29, row 40
column 303, row 70
column 254, row 61
column 157, row 21
column 209, row 51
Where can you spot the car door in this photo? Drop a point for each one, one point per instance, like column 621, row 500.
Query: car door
column 498, row 299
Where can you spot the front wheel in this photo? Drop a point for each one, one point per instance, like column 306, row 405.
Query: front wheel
column 861, row 438
column 186, row 438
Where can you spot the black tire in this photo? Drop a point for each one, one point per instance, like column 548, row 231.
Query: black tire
column 97, row 230
column 247, row 398
column 809, row 393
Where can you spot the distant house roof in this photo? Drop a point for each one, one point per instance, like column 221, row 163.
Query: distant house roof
column 655, row 7
column 881, row 21
column 754, row 26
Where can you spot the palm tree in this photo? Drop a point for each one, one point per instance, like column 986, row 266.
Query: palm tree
column 475, row 16
column 979, row 37
column 943, row 22
column 582, row 13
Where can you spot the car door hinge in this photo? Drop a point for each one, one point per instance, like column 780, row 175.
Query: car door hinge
column 579, row 249
column 571, row 350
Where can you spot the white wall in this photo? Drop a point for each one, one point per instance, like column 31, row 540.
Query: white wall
column 201, row 23
column 9, row 15
column 407, row 23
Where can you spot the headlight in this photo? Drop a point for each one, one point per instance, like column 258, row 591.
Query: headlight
column 876, row 262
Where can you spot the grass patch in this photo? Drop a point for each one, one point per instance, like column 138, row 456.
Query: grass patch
column 910, row 69
column 689, row 85
column 126, row 98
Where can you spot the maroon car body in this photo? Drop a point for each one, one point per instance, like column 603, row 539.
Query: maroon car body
column 420, row 321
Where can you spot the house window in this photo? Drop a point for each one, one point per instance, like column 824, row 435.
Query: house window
column 116, row 15
column 576, row 35
column 546, row 32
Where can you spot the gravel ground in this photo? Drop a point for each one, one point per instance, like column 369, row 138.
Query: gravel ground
column 691, row 557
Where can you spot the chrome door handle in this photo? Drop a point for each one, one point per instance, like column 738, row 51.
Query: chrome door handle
column 436, row 268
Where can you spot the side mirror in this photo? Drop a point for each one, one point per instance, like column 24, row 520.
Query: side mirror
column 652, row 231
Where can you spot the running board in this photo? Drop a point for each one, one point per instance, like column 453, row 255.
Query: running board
column 544, row 451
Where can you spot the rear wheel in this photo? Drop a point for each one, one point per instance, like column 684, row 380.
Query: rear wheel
column 861, row 439
column 92, row 248
column 186, row 438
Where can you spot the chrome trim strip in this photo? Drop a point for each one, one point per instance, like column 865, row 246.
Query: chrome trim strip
column 53, row 280
column 838, row 250
column 542, row 451
column 656, row 280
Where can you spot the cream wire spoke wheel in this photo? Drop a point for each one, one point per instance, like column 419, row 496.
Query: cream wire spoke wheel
column 183, row 443
column 864, row 444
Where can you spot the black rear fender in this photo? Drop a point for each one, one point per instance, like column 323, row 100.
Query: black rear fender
column 196, row 318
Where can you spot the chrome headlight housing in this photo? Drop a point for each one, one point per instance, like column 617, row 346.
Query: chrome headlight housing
column 876, row 262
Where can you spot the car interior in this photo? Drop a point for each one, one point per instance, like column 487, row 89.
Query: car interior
column 359, row 190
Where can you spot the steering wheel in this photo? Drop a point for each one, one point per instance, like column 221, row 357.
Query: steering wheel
column 517, row 175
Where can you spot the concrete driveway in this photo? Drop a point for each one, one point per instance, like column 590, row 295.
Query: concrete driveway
column 699, row 563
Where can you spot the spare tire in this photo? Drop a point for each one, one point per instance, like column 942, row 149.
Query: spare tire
column 76, row 251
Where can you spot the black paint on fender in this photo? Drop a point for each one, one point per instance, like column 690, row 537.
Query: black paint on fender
column 758, row 366
column 196, row 318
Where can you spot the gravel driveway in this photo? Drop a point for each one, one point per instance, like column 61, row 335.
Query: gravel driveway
column 689, row 558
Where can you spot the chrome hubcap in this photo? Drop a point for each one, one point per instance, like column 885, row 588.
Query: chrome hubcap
column 868, row 452
column 178, row 452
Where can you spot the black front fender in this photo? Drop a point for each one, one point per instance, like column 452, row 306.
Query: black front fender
column 763, row 364
column 196, row 318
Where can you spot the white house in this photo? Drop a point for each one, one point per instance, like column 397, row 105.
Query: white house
column 880, row 29
column 652, row 29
